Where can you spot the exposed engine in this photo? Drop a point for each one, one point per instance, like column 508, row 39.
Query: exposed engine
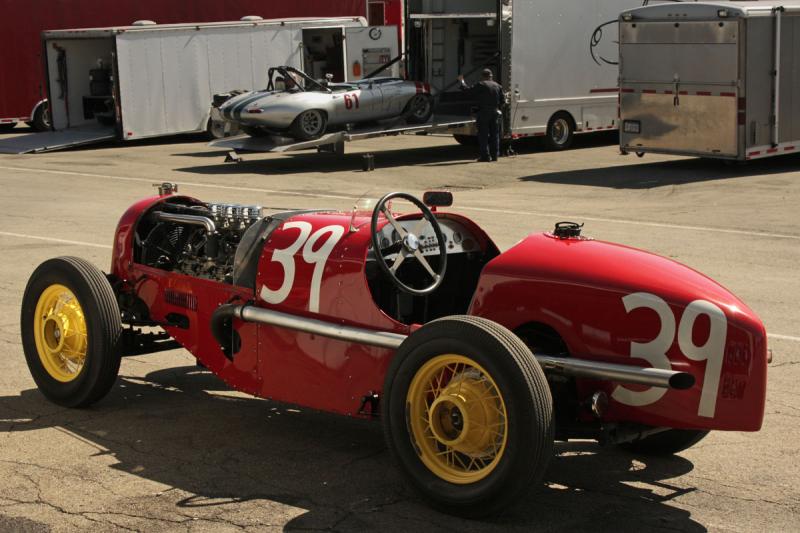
column 196, row 240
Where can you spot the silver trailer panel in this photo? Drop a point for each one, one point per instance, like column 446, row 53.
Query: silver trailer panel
column 713, row 79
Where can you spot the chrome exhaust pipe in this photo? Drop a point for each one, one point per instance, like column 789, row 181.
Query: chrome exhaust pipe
column 581, row 368
column 382, row 339
column 194, row 220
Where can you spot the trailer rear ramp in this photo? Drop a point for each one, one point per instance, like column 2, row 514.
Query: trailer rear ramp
column 277, row 143
column 51, row 141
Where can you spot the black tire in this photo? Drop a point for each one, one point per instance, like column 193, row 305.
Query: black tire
column 667, row 442
column 466, row 140
column 309, row 125
column 560, row 131
column 6, row 128
column 419, row 109
column 520, row 384
column 41, row 117
column 103, row 330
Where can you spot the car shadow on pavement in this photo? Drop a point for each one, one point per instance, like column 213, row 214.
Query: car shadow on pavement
column 220, row 452
column 663, row 173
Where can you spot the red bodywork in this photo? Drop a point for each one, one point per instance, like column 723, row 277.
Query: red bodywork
column 676, row 318
column 21, row 82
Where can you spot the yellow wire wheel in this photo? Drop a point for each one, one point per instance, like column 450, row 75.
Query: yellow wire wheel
column 457, row 418
column 71, row 331
column 467, row 414
column 60, row 333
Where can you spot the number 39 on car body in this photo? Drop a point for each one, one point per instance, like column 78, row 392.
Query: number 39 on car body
column 655, row 351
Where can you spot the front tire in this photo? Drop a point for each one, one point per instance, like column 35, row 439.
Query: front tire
column 667, row 442
column 71, row 329
column 468, row 415
column 309, row 125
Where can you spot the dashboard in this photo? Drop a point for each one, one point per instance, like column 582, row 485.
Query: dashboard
column 457, row 238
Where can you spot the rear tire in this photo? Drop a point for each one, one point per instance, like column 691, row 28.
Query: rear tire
column 560, row 131
column 468, row 415
column 41, row 117
column 420, row 109
column 215, row 129
column 667, row 442
column 309, row 125
column 70, row 323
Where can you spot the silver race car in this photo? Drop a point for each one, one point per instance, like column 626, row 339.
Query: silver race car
column 305, row 108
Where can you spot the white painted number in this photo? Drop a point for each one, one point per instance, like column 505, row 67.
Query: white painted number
column 317, row 257
column 711, row 352
column 654, row 352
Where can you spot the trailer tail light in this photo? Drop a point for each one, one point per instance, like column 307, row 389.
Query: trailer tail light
column 356, row 69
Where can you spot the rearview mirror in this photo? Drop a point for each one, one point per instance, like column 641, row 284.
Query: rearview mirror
column 438, row 198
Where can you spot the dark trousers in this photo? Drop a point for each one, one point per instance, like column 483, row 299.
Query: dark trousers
column 488, row 134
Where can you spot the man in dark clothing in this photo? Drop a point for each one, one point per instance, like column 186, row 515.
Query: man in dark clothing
column 489, row 95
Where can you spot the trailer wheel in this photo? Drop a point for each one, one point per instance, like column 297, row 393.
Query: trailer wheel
column 41, row 117
column 309, row 125
column 466, row 140
column 70, row 323
column 560, row 131
column 7, row 127
column 467, row 414
column 420, row 109
column 667, row 442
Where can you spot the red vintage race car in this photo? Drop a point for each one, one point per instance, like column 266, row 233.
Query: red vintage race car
column 474, row 360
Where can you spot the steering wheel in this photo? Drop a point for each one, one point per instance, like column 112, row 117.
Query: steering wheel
column 410, row 244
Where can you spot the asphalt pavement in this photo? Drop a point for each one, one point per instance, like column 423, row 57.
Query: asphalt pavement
column 171, row 448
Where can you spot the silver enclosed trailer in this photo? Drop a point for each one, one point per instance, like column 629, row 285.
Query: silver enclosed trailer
column 711, row 79
column 556, row 60
column 149, row 80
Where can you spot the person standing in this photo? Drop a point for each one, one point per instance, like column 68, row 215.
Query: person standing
column 489, row 95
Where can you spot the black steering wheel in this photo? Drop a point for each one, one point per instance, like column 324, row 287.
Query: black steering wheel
column 410, row 245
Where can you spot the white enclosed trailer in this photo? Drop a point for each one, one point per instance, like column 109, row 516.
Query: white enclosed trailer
column 555, row 58
column 711, row 79
column 149, row 80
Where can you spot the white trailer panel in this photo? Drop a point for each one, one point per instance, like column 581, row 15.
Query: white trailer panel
column 166, row 79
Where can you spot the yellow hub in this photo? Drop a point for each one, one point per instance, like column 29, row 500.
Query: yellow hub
column 59, row 331
column 457, row 419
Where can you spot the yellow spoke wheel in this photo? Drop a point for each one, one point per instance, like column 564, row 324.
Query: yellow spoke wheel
column 60, row 333
column 457, row 418
column 71, row 330
column 467, row 415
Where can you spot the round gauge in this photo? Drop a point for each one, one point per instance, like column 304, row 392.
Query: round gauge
column 457, row 237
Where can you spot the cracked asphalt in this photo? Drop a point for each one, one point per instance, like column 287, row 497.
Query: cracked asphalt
column 171, row 448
